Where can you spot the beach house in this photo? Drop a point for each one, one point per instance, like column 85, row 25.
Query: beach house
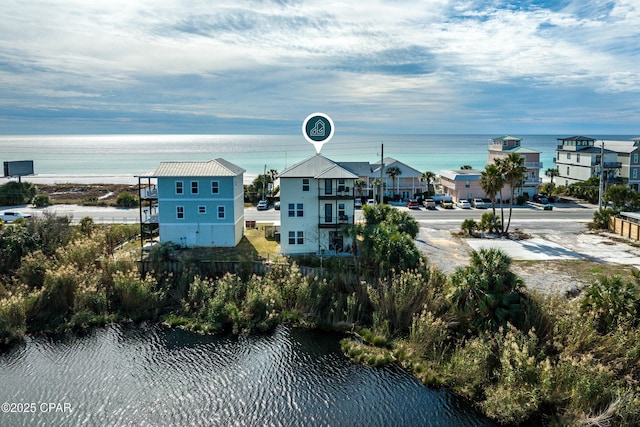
column 502, row 146
column 195, row 204
column 316, row 202
column 578, row 159
column 634, row 166
column 401, row 181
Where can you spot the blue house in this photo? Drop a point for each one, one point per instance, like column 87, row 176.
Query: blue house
column 200, row 204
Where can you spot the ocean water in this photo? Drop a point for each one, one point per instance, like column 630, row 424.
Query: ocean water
column 138, row 154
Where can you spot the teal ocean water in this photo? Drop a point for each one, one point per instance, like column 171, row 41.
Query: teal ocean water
column 137, row 154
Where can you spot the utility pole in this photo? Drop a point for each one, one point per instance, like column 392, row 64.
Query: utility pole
column 601, row 187
column 264, row 182
column 381, row 171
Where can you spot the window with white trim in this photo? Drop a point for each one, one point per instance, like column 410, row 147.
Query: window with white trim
column 300, row 209
column 202, row 209
column 305, row 184
column 221, row 212
column 215, row 187
column 292, row 210
column 179, row 187
column 292, row 237
column 194, row 187
column 635, row 157
column 179, row 212
column 301, row 237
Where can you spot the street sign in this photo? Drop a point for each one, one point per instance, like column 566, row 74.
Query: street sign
column 318, row 129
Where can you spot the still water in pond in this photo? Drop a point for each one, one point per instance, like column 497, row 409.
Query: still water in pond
column 149, row 375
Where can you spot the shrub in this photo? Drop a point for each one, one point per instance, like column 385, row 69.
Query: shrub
column 610, row 302
column 469, row 226
column 12, row 319
column 126, row 200
column 41, row 200
column 601, row 219
column 87, row 225
column 135, row 297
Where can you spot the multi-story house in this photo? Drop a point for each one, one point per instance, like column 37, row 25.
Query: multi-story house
column 316, row 202
column 199, row 204
column 404, row 184
column 578, row 159
column 625, row 151
column 501, row 147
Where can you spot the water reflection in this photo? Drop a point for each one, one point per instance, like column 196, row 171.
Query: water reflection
column 149, row 375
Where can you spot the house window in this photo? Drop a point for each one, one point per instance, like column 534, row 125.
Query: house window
column 578, row 157
column 328, row 213
column 635, row 174
column 194, row 187
column 341, row 212
column 341, row 185
column 220, row 212
column 292, row 210
column 568, row 156
column 292, row 237
column 305, row 184
column 467, row 184
column 568, row 171
column 202, row 209
column 179, row 187
column 179, row 212
column 328, row 186
column 215, row 187
column 635, row 157
column 300, row 210
column 301, row 237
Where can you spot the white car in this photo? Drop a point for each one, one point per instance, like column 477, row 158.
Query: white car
column 464, row 204
column 263, row 205
column 479, row 204
column 10, row 216
column 371, row 202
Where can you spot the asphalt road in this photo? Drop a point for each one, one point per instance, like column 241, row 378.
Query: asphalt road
column 572, row 218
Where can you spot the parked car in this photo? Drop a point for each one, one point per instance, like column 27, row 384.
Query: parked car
column 276, row 205
column 478, row 204
column 413, row 204
column 263, row 205
column 10, row 216
column 429, row 204
column 447, row 204
column 464, row 204
column 357, row 203
column 371, row 202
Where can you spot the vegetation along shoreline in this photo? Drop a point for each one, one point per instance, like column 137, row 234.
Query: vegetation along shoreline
column 521, row 357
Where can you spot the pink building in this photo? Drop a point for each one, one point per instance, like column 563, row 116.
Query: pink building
column 502, row 146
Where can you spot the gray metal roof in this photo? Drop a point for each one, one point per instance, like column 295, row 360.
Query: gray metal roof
column 217, row 167
column 316, row 167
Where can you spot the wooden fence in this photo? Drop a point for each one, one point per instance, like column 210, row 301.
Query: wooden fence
column 624, row 227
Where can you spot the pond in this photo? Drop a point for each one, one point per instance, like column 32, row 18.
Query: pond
column 148, row 375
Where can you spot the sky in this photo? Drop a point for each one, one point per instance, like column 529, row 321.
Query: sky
column 375, row 67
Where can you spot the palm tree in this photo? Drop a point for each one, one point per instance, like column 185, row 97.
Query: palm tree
column 359, row 184
column 551, row 173
column 486, row 292
column 492, row 182
column 512, row 167
column 428, row 177
column 392, row 172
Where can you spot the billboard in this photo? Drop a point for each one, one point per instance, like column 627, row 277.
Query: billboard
column 18, row 168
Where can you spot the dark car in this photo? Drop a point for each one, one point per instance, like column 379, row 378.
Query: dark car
column 413, row 204
column 540, row 198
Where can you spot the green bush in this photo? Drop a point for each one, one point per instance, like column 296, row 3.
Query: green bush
column 136, row 298
column 41, row 200
column 126, row 200
column 12, row 319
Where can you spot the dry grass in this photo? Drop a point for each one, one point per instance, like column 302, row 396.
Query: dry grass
column 580, row 270
column 78, row 194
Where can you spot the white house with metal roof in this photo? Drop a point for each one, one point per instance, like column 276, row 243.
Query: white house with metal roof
column 200, row 204
column 316, row 202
